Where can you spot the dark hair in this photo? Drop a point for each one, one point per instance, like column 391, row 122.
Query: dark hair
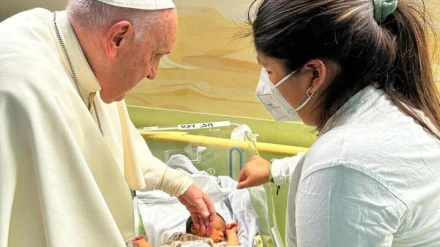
column 391, row 55
column 190, row 223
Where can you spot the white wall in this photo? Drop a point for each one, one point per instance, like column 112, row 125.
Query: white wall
column 11, row 7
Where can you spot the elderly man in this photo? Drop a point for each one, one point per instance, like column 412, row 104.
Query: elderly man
column 68, row 151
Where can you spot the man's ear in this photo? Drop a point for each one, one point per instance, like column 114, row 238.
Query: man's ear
column 318, row 71
column 118, row 36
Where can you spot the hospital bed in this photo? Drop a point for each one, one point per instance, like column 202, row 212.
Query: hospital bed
column 253, row 209
column 163, row 215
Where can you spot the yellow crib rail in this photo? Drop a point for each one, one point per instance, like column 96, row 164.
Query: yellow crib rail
column 185, row 137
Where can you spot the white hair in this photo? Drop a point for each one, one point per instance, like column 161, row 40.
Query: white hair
column 94, row 15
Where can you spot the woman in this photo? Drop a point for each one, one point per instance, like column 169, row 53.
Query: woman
column 360, row 72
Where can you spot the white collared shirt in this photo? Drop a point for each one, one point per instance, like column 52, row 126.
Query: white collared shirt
column 371, row 180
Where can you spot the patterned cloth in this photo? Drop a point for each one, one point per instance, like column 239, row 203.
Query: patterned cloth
column 179, row 239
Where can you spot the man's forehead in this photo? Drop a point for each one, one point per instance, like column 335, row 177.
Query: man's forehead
column 165, row 38
column 164, row 45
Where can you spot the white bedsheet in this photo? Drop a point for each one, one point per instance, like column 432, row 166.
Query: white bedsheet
column 163, row 215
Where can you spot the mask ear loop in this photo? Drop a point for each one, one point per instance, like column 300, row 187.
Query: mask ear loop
column 309, row 97
column 312, row 95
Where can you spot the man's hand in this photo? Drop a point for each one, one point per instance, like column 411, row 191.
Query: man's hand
column 254, row 173
column 201, row 208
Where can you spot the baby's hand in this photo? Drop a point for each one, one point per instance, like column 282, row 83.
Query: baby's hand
column 139, row 240
column 231, row 228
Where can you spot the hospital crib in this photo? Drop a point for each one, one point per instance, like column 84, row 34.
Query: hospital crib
column 221, row 149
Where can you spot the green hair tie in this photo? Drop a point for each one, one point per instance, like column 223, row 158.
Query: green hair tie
column 383, row 8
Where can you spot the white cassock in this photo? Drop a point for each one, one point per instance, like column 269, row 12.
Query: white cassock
column 63, row 183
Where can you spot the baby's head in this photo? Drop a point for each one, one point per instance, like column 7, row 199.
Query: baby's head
column 218, row 233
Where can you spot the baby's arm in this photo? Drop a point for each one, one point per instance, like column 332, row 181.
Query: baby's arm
column 231, row 234
column 141, row 241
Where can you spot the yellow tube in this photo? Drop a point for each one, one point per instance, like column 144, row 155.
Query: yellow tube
column 184, row 137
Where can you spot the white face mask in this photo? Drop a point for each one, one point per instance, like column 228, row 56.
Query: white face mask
column 274, row 102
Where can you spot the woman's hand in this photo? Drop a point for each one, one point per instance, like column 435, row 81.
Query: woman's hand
column 254, row 173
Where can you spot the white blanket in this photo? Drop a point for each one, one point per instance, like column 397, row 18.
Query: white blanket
column 163, row 215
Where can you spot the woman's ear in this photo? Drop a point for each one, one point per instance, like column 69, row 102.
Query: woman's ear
column 318, row 71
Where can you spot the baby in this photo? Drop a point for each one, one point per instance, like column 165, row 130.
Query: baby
column 221, row 235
